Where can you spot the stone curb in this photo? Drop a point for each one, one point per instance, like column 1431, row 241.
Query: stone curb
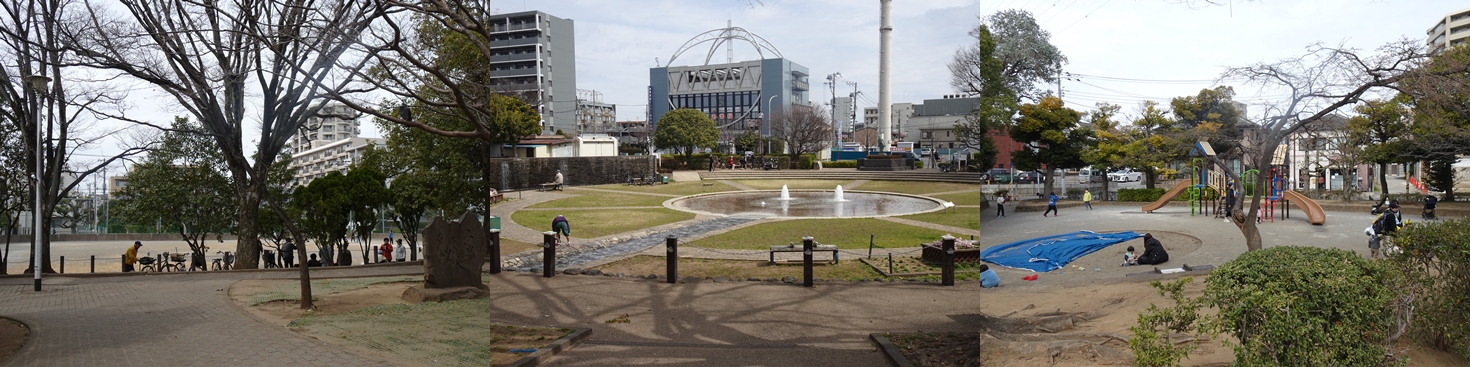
column 231, row 271
column 890, row 350
column 558, row 346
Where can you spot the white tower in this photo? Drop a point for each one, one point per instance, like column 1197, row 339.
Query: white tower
column 885, row 108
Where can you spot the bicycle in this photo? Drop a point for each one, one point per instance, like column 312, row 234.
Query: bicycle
column 148, row 265
column 224, row 263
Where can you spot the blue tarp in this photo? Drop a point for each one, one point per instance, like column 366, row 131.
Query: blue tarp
column 1052, row 252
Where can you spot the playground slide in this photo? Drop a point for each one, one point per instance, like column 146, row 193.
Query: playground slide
column 1164, row 200
column 1314, row 211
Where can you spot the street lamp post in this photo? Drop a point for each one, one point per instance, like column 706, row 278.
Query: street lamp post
column 38, row 84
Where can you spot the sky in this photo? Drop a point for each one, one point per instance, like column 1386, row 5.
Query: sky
column 1119, row 51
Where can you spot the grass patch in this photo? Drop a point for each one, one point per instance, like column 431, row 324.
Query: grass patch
column 292, row 291
column 845, row 233
column 603, row 199
column 453, row 333
column 793, row 184
column 509, row 246
column 916, row 187
column 681, row 188
column 958, row 217
column 848, row 269
column 965, row 198
column 601, row 222
column 914, row 264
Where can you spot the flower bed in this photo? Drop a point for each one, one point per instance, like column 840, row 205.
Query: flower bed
column 965, row 251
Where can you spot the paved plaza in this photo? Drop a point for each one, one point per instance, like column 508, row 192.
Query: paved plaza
column 187, row 319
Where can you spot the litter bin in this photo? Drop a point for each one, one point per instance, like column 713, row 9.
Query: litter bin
column 665, row 179
column 493, row 222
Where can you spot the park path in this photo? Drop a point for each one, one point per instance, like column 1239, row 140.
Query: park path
column 183, row 319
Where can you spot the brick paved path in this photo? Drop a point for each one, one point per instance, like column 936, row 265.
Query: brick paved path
column 159, row 320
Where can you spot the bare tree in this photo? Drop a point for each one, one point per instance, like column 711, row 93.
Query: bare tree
column 805, row 129
column 203, row 55
column 1317, row 84
column 61, row 113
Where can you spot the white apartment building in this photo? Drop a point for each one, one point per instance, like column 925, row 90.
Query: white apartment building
column 332, row 123
column 333, row 156
column 1452, row 30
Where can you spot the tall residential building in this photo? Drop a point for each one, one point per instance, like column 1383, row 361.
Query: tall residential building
column 332, row 123
column 533, row 55
column 842, row 108
column 1450, row 31
column 594, row 116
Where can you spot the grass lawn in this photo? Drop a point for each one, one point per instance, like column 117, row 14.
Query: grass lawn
column 451, row 333
column 850, row 268
column 509, row 246
column 292, row 291
column 592, row 199
column 793, row 184
column 673, row 188
column 845, row 233
column 968, row 198
column 916, row 187
column 957, row 217
column 600, row 222
column 847, row 269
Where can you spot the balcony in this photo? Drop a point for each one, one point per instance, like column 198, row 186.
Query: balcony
column 513, row 72
column 799, row 85
column 529, row 56
column 515, row 42
column 514, row 27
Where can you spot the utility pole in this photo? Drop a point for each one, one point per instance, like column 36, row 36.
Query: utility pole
column 832, row 85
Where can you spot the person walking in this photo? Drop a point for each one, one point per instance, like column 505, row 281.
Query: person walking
column 563, row 229
column 1000, row 206
column 288, row 254
column 1051, row 205
column 130, row 257
column 1087, row 199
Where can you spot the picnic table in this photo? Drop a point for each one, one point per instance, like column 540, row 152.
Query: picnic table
column 794, row 248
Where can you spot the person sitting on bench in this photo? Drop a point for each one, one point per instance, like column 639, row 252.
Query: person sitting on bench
column 555, row 184
column 1153, row 251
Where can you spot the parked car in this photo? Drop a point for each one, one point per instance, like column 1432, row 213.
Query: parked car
column 999, row 175
column 1028, row 177
column 1125, row 175
column 1089, row 175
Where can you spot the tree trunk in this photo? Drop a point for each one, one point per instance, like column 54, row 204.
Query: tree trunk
column 1383, row 179
column 247, row 246
column 1148, row 178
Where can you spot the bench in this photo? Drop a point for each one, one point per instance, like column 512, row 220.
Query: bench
column 550, row 186
column 498, row 197
column 794, row 248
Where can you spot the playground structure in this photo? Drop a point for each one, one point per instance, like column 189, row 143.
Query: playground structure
column 1202, row 201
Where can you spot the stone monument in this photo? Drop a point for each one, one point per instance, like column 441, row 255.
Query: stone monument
column 453, row 254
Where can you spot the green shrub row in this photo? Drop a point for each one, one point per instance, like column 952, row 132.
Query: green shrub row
column 840, row 164
column 1143, row 195
column 1434, row 259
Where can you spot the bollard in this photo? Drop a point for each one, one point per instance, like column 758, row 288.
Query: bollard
column 806, row 261
column 494, row 251
column 63, row 264
column 124, row 262
column 672, row 258
column 548, row 256
column 92, row 267
column 890, row 264
column 947, row 278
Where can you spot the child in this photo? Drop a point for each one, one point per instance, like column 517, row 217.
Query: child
column 988, row 278
column 1129, row 259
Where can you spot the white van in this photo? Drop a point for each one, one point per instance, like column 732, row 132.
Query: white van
column 1087, row 174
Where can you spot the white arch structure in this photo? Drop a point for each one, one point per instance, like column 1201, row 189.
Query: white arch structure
column 725, row 36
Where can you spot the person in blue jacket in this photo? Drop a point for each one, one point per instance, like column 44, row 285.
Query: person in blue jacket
column 988, row 279
column 1051, row 205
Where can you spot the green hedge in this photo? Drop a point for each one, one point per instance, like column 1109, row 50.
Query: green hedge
column 840, row 164
column 1143, row 195
column 1304, row 306
column 1434, row 259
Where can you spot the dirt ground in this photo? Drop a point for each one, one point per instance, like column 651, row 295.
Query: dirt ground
column 13, row 335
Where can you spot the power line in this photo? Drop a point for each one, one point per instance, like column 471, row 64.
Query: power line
column 1069, row 26
column 1145, row 81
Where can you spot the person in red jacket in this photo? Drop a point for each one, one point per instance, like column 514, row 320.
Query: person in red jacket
column 386, row 249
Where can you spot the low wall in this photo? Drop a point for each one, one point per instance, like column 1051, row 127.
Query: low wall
column 67, row 237
column 530, row 173
column 885, row 164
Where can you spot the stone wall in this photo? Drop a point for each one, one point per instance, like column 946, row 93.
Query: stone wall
column 530, row 173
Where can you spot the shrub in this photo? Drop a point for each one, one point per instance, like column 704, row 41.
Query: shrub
column 1433, row 260
column 1145, row 195
column 1303, row 306
column 1074, row 194
column 918, row 164
column 806, row 161
column 1152, row 342
column 840, row 164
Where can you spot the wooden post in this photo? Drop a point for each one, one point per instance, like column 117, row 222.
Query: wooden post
column 494, row 251
column 806, row 261
column 672, row 259
column 548, row 254
column 947, row 279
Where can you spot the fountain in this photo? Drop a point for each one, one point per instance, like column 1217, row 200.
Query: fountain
column 837, row 196
column 785, row 194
